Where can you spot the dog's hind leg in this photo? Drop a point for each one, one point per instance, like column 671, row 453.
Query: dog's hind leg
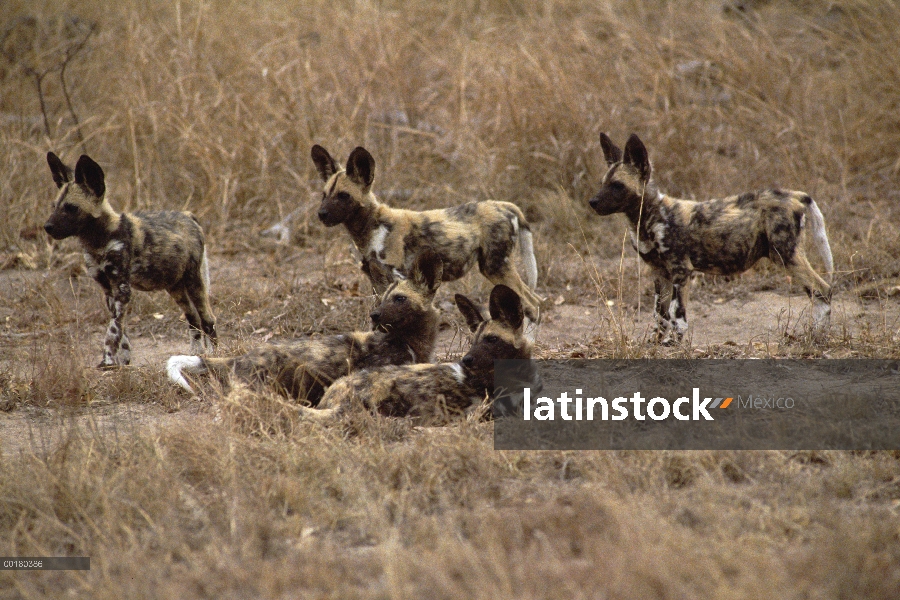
column 180, row 294
column 509, row 277
column 499, row 269
column 197, row 288
column 495, row 262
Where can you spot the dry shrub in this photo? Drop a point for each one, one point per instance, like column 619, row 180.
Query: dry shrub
column 56, row 376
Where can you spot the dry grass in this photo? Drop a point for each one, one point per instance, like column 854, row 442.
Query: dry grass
column 208, row 511
column 213, row 106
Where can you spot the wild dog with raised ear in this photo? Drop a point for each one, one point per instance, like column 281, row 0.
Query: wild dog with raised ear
column 722, row 237
column 485, row 232
column 405, row 331
column 144, row 250
column 433, row 394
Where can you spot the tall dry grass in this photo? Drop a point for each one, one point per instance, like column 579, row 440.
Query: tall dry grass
column 213, row 106
column 201, row 509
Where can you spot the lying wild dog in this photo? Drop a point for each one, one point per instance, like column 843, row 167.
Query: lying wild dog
column 722, row 237
column 434, row 393
column 406, row 328
column 485, row 232
column 145, row 250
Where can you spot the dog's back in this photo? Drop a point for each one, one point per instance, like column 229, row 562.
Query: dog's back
column 165, row 246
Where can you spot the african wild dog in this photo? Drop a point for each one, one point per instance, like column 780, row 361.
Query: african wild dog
column 434, row 393
column 406, row 327
column 486, row 231
column 145, row 250
column 722, row 237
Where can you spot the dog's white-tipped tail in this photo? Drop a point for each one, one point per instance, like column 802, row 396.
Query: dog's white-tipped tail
column 820, row 238
column 527, row 248
column 204, row 270
column 193, row 364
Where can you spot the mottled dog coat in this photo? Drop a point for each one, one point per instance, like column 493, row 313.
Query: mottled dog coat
column 406, row 328
column 145, row 250
column 432, row 394
column 723, row 237
column 485, row 232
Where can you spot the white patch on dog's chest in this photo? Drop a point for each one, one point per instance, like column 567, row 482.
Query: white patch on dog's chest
column 114, row 246
column 102, row 261
column 656, row 241
column 659, row 236
column 92, row 268
column 641, row 246
column 376, row 241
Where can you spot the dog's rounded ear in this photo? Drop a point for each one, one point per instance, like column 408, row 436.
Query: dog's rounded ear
column 325, row 165
column 470, row 312
column 61, row 173
column 506, row 306
column 428, row 270
column 90, row 175
column 361, row 168
column 611, row 152
column 636, row 154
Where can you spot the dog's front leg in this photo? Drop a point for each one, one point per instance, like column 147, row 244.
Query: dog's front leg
column 117, row 347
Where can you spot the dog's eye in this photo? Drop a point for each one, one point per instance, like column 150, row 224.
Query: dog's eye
column 344, row 197
column 399, row 298
column 70, row 208
column 491, row 339
column 617, row 185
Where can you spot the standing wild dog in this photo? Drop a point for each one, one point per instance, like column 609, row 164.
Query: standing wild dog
column 146, row 250
column 434, row 393
column 722, row 237
column 406, row 327
column 485, row 232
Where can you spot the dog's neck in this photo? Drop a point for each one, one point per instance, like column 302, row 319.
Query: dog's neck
column 420, row 338
column 481, row 382
column 361, row 224
column 423, row 340
column 640, row 211
column 106, row 225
